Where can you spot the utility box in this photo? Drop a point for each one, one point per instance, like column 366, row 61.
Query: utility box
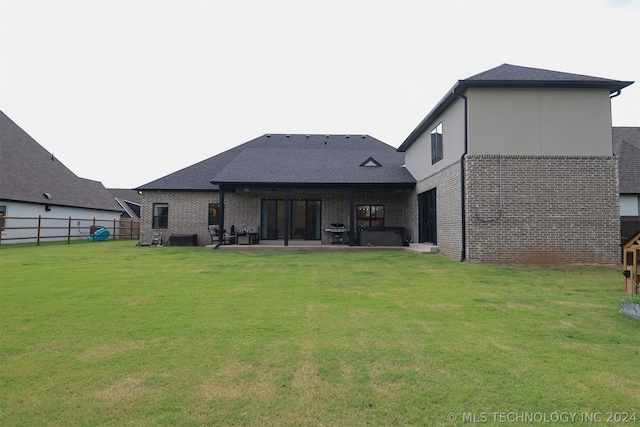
column 631, row 259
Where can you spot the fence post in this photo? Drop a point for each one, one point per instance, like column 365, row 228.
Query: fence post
column 39, row 225
column 69, row 232
column 1, row 226
column 114, row 229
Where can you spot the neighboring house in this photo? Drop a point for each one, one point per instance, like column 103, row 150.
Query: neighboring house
column 626, row 146
column 290, row 186
column 515, row 165
column 129, row 200
column 34, row 183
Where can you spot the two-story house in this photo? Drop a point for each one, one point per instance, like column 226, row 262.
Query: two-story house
column 513, row 165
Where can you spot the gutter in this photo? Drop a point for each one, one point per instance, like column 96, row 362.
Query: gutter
column 463, row 255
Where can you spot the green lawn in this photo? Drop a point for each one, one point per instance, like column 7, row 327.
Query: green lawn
column 113, row 334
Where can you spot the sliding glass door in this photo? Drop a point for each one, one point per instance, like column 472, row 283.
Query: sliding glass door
column 304, row 219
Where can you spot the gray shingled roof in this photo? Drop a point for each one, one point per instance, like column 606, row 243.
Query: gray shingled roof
column 29, row 171
column 294, row 159
column 510, row 75
column 507, row 75
column 129, row 200
column 626, row 145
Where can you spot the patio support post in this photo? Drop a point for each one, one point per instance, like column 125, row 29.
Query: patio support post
column 351, row 218
column 221, row 218
column 286, row 216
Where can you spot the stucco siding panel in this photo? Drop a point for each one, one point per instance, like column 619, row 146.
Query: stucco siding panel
column 531, row 121
column 418, row 155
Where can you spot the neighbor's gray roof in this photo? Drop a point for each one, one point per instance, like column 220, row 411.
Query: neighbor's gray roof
column 507, row 75
column 307, row 160
column 29, row 171
column 129, row 200
column 626, row 146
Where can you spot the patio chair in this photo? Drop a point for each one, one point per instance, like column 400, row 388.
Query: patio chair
column 227, row 239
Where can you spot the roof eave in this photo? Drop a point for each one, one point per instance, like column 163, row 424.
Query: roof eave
column 612, row 85
column 440, row 107
column 314, row 185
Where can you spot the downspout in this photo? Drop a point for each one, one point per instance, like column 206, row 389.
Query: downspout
column 463, row 255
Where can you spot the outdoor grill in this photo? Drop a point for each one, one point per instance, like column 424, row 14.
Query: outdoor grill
column 338, row 233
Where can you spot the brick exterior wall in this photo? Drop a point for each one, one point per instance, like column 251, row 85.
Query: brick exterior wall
column 448, row 208
column 188, row 213
column 189, row 210
column 555, row 210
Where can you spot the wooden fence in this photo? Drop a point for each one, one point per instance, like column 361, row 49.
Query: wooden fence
column 37, row 229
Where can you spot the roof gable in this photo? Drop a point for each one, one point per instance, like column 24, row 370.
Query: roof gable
column 370, row 162
column 29, row 172
column 626, row 146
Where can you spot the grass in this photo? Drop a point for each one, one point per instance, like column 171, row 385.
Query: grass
column 112, row 334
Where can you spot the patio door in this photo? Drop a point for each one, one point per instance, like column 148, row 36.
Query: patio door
column 427, row 225
column 272, row 223
column 304, row 219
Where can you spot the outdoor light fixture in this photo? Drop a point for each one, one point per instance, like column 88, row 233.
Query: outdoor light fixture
column 47, row 208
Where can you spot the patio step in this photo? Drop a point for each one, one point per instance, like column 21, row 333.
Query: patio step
column 423, row 248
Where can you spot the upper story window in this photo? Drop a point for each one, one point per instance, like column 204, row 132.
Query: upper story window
column 436, row 144
column 160, row 215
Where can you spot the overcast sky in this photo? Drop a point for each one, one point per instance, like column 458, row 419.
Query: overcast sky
column 125, row 92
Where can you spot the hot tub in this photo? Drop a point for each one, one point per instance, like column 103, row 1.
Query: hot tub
column 381, row 236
